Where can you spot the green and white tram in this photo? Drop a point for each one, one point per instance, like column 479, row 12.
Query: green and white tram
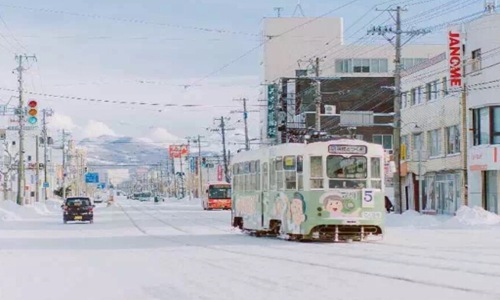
column 330, row 190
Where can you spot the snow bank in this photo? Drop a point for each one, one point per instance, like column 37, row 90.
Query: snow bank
column 411, row 219
column 465, row 217
column 476, row 216
column 11, row 211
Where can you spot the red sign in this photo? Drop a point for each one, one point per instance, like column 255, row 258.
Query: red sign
column 455, row 60
column 219, row 173
column 177, row 151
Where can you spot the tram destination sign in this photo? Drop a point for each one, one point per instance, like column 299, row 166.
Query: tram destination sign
column 347, row 149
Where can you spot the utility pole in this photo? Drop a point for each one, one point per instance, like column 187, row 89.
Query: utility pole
column 20, row 172
column 37, row 170
column 318, row 95
column 200, row 176
column 223, row 130
column 245, row 120
column 384, row 31
column 64, row 163
column 45, row 114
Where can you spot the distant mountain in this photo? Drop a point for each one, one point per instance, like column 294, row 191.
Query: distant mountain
column 125, row 152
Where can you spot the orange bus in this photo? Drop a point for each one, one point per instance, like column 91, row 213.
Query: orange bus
column 217, row 196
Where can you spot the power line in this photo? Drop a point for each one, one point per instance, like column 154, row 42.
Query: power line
column 126, row 20
column 226, row 65
column 108, row 101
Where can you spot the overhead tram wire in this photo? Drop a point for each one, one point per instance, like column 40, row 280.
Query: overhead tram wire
column 107, row 101
column 127, row 20
column 362, row 39
column 226, row 65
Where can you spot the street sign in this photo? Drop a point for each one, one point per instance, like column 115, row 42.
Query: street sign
column 101, row 186
column 25, row 127
column 219, row 173
column 92, row 177
column 45, row 184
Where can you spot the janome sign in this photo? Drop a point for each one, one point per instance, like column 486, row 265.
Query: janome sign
column 455, row 58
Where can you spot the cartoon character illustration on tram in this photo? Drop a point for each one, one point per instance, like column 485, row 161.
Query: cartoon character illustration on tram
column 338, row 206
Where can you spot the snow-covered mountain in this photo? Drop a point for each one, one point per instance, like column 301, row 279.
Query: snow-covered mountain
column 127, row 152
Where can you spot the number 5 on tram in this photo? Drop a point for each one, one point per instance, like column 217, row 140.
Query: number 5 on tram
column 319, row 191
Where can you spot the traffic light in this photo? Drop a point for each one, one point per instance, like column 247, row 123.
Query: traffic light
column 32, row 112
column 203, row 161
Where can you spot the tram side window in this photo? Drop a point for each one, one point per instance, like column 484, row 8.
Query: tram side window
column 300, row 177
column 272, row 175
column 316, row 172
column 252, row 176
column 235, row 178
column 290, row 166
column 279, row 173
column 376, row 173
column 257, row 175
column 247, row 177
column 265, row 182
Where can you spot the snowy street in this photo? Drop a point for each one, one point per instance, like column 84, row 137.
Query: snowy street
column 178, row 251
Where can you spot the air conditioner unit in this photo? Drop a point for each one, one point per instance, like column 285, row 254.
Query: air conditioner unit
column 330, row 110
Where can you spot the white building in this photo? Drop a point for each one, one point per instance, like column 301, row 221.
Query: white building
column 482, row 55
column 431, row 127
column 292, row 45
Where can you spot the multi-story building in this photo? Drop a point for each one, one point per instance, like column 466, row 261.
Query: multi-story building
column 431, row 140
column 306, row 47
column 482, row 55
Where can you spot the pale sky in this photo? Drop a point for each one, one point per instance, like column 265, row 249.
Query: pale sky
column 144, row 51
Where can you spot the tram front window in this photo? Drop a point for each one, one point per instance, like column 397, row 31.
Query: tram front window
column 346, row 172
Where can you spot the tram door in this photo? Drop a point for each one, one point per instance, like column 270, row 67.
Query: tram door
column 264, row 194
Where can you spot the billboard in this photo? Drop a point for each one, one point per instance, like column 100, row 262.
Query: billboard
column 178, row 151
column 272, row 98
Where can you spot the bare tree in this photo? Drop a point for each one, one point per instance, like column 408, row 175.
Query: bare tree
column 9, row 165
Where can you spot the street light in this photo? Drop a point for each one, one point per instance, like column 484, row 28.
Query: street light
column 418, row 130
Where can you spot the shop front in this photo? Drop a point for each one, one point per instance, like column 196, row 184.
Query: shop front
column 442, row 193
column 484, row 177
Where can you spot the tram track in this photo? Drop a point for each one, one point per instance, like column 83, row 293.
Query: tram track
column 400, row 278
column 401, row 261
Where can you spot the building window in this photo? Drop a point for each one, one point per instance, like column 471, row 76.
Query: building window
column 383, row 139
column 452, row 140
column 495, row 134
column 361, row 65
column 431, row 90
column 476, row 60
column 417, row 144
column 416, row 96
column 343, row 65
column 434, row 142
column 445, row 86
column 404, row 98
column 366, row 65
column 407, row 63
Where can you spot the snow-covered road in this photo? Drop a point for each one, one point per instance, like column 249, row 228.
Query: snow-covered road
column 178, row 251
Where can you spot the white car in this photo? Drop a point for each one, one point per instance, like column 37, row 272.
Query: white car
column 98, row 199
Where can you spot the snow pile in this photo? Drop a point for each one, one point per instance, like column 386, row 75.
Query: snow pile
column 411, row 219
column 476, row 216
column 6, row 215
column 11, row 211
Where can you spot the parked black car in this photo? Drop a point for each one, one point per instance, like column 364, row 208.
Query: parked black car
column 78, row 209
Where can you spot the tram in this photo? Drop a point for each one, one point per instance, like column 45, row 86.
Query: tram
column 331, row 190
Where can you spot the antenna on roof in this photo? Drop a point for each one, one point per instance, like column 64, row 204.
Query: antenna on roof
column 278, row 11
column 490, row 6
column 298, row 8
